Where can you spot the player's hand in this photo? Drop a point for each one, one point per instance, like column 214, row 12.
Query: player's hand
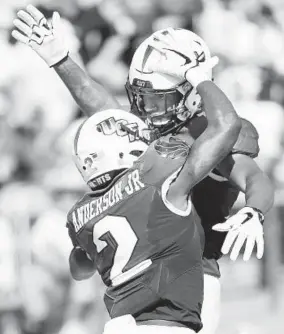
column 177, row 61
column 45, row 38
column 245, row 227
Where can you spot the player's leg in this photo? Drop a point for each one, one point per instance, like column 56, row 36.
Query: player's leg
column 127, row 324
column 211, row 304
column 121, row 325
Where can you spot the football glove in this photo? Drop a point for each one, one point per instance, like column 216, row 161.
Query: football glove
column 245, row 227
column 177, row 61
column 45, row 38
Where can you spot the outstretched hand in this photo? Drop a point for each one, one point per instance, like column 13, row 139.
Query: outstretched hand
column 45, row 38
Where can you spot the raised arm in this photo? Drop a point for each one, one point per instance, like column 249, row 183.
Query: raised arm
column 47, row 40
column 211, row 147
column 90, row 96
column 223, row 126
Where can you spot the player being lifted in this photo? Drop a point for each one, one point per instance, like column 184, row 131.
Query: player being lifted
column 170, row 105
column 215, row 195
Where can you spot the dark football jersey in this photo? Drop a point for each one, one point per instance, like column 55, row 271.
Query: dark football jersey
column 215, row 196
column 148, row 256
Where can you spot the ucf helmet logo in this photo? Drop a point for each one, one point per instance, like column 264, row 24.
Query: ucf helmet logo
column 112, row 126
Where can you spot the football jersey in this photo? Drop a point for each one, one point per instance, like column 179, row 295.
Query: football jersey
column 147, row 252
column 215, row 196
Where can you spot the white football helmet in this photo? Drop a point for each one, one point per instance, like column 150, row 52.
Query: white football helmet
column 164, row 101
column 106, row 144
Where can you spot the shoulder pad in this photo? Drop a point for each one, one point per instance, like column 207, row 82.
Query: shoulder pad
column 247, row 142
column 171, row 147
column 163, row 157
column 79, row 202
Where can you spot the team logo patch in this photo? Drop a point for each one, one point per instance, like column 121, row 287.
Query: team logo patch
column 171, row 148
column 112, row 126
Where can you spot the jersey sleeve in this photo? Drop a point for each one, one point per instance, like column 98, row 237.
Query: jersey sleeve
column 163, row 157
column 247, row 142
column 72, row 234
column 71, row 228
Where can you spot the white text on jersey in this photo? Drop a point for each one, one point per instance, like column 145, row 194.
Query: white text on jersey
column 83, row 214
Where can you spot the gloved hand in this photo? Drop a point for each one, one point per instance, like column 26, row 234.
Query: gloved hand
column 245, row 227
column 178, row 61
column 45, row 38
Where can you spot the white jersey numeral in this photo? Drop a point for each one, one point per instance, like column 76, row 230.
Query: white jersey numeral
column 124, row 236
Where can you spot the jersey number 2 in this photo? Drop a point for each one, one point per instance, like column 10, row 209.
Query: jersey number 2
column 124, row 236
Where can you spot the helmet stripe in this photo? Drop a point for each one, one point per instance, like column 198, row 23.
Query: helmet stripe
column 77, row 136
column 147, row 55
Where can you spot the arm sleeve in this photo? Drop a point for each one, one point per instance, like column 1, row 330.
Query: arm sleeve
column 247, row 142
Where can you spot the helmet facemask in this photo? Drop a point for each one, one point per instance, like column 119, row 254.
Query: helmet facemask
column 165, row 110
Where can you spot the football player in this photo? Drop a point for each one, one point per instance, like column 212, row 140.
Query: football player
column 137, row 227
column 215, row 195
column 170, row 105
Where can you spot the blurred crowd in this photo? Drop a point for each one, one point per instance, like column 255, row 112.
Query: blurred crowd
column 38, row 182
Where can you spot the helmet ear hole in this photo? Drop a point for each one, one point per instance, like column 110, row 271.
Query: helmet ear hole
column 121, row 155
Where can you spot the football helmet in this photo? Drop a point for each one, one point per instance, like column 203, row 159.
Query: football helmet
column 106, row 144
column 165, row 102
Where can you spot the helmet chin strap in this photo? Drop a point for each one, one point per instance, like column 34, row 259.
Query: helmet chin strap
column 154, row 133
column 176, row 129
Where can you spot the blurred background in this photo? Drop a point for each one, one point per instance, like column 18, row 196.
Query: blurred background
column 38, row 182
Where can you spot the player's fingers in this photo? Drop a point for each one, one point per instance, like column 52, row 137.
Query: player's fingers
column 168, row 36
column 37, row 15
column 20, row 37
column 156, row 67
column 260, row 246
column 231, row 222
column 41, row 31
column 27, row 18
column 249, row 248
column 212, row 62
column 228, row 242
column 222, row 227
column 237, row 246
column 164, row 39
column 158, row 46
column 55, row 22
column 37, row 39
column 24, row 28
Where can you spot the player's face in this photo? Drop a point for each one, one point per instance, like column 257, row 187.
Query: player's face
column 158, row 108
